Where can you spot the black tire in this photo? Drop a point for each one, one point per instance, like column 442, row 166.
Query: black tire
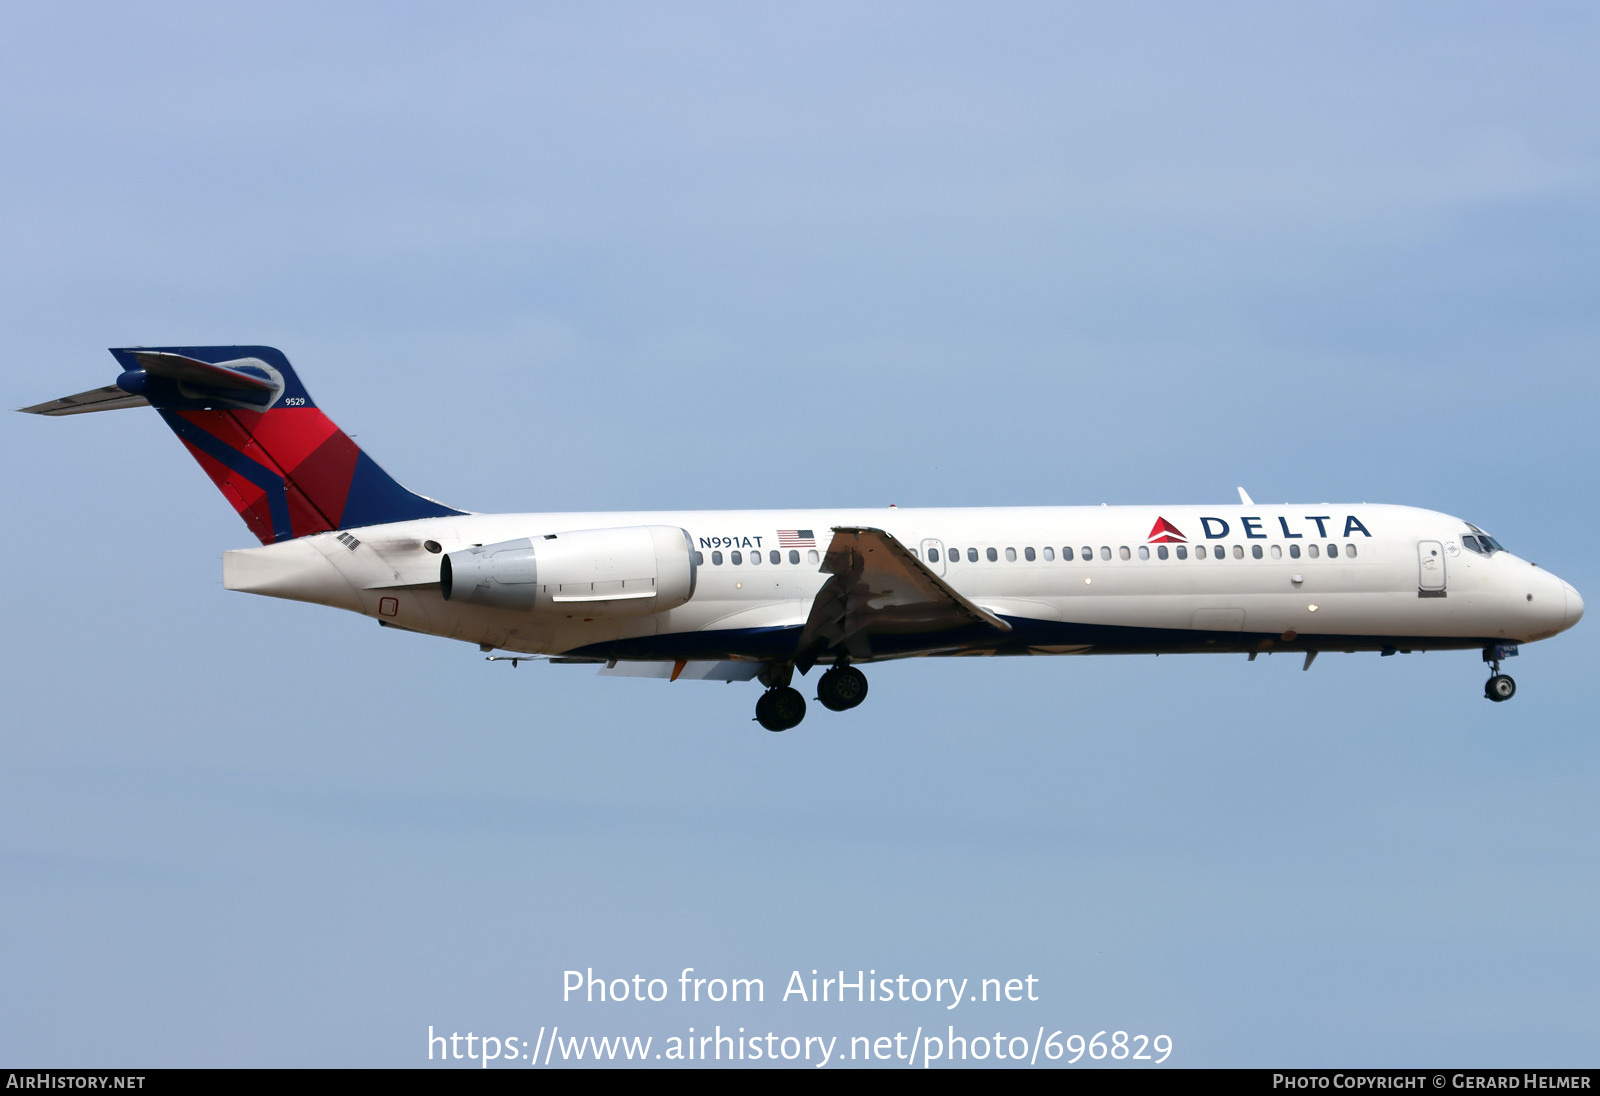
column 787, row 708
column 842, row 688
column 1500, row 688
column 764, row 712
column 780, row 709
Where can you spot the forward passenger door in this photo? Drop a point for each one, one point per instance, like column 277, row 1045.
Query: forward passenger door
column 1430, row 569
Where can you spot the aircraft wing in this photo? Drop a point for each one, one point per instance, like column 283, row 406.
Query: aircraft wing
column 878, row 587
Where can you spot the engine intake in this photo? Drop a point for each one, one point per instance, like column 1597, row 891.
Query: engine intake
column 590, row 572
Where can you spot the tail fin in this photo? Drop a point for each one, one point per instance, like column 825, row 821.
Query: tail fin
column 246, row 418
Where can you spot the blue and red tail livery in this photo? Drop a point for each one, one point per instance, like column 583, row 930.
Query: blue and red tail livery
column 245, row 417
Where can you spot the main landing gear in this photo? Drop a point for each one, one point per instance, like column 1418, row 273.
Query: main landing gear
column 842, row 688
column 1499, row 687
column 782, row 707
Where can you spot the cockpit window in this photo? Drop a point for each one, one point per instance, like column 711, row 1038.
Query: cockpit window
column 1482, row 542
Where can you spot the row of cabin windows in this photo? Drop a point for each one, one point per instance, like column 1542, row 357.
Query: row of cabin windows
column 738, row 559
column 1068, row 554
column 1086, row 553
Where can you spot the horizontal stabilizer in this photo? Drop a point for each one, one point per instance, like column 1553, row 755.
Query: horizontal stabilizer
column 252, row 388
column 109, row 398
column 193, row 371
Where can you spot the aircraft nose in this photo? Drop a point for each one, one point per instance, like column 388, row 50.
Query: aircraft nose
column 1574, row 605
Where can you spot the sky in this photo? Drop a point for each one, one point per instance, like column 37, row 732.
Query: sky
column 702, row 256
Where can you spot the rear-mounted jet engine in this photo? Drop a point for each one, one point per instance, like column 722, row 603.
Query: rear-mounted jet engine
column 593, row 572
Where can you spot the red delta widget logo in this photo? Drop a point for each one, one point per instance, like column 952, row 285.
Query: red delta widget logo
column 1214, row 528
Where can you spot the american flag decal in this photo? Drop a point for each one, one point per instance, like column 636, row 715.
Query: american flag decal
column 796, row 538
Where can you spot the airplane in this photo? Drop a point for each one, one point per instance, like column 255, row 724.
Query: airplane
column 760, row 594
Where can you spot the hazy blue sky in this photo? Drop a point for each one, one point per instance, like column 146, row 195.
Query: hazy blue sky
column 631, row 256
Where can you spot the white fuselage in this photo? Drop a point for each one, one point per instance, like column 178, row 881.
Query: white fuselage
column 1325, row 576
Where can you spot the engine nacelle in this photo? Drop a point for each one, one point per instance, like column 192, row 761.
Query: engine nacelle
column 591, row 572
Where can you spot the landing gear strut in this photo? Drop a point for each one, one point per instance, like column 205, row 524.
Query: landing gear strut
column 1499, row 687
column 842, row 688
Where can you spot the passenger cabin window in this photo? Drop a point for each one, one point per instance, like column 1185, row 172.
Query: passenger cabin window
column 735, row 558
column 1161, row 551
column 1277, row 551
column 1144, row 551
column 1050, row 554
column 1088, row 553
column 1183, row 552
column 972, row 555
column 1350, row 550
column 1333, row 551
column 794, row 556
column 1011, row 555
column 699, row 560
column 991, row 555
column 755, row 557
column 812, row 557
column 1027, row 554
column 1311, row 550
column 1294, row 551
column 716, row 559
column 1238, row 551
column 1255, row 551
column 1122, row 552
column 774, row 557
column 933, row 555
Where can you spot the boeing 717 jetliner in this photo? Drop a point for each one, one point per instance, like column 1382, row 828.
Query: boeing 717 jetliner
column 758, row 594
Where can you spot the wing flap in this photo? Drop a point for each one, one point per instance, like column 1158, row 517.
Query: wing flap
column 686, row 670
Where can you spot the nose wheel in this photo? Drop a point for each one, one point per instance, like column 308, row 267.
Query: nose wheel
column 1500, row 687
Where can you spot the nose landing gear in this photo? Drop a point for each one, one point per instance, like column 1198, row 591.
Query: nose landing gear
column 1499, row 687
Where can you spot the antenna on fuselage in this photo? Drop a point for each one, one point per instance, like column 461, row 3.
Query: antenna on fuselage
column 1245, row 498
